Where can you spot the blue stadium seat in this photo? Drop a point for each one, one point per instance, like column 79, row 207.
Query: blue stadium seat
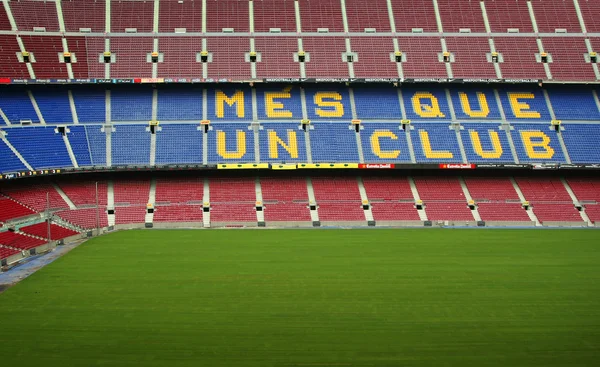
column 282, row 142
column 97, row 141
column 279, row 102
column 179, row 103
column 41, row 147
column 328, row 103
column 179, row 143
column 435, row 142
column 16, row 105
column 90, row 104
column 384, row 142
column 475, row 104
column 54, row 105
column 544, row 146
column 80, row 145
column 131, row 104
column 9, row 161
column 333, row 142
column 230, row 143
column 426, row 103
column 130, row 145
column 524, row 104
column 485, row 142
column 582, row 142
column 377, row 102
column 235, row 103
column 573, row 103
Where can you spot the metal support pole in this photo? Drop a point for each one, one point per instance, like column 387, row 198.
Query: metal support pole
column 48, row 216
column 97, row 212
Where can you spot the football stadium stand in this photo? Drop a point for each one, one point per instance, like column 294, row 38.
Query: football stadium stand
column 338, row 199
column 89, row 88
column 41, row 230
column 329, row 33
column 287, row 201
column 233, row 200
column 508, row 124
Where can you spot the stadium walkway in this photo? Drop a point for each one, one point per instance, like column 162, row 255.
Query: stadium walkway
column 34, row 263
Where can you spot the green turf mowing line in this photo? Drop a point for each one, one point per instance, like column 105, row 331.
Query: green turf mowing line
column 311, row 298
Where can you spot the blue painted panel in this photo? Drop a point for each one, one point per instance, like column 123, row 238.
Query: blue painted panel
column 334, row 103
column 285, row 99
column 131, row 104
column 485, row 132
column 179, row 144
column 377, row 103
column 54, row 105
column 90, row 105
column 426, row 103
column 230, row 111
column 557, row 155
column 9, row 161
column 472, row 103
column 395, row 144
column 290, row 134
column 532, row 101
column 574, row 104
column 246, row 152
column 79, row 145
column 333, row 143
column 179, row 104
column 16, row 105
column 130, row 145
column 41, row 147
column 97, row 141
column 441, row 139
column 582, row 143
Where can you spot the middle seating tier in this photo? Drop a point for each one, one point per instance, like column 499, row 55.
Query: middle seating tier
column 291, row 142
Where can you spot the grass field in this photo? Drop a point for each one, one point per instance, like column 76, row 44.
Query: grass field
column 312, row 298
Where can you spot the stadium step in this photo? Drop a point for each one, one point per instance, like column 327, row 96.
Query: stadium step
column 577, row 203
column 108, row 129
column 529, row 211
column 72, row 107
column 206, row 201
column 70, row 151
column 4, row 118
column 36, row 108
column 64, row 196
column 153, row 138
column 151, row 201
column 365, row 201
column 506, row 127
column 469, row 198
column 312, row 201
column 260, row 215
column 15, row 151
column 415, row 192
column 110, row 202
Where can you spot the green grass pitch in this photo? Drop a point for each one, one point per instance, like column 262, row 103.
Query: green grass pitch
column 311, row 298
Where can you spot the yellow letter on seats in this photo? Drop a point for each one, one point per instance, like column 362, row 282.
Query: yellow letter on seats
column 429, row 153
column 521, row 109
column 528, row 136
column 376, row 146
column 275, row 109
column 494, row 154
column 426, row 110
column 237, row 99
column 484, row 109
column 338, row 107
column 222, row 145
column 291, row 146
